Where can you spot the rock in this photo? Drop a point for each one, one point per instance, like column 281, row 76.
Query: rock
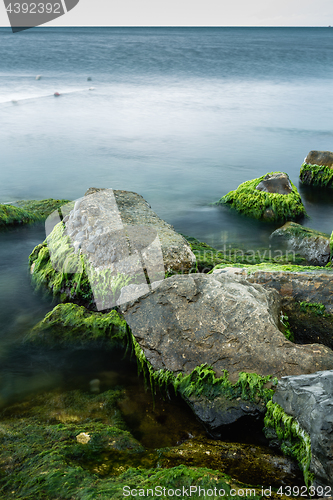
column 271, row 197
column 245, row 462
column 308, row 284
column 320, row 158
column 317, row 169
column 308, row 398
column 313, row 245
column 26, row 211
column 228, row 324
column 275, row 183
column 113, row 240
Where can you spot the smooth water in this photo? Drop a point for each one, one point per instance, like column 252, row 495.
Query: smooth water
column 179, row 115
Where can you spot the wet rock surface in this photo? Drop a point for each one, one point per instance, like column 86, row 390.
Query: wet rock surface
column 308, row 398
column 275, row 183
column 219, row 320
column 313, row 286
column 313, row 245
column 227, row 323
column 322, row 158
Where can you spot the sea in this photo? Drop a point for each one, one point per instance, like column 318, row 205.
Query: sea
column 179, row 115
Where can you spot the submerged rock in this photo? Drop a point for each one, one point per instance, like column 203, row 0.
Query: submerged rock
column 23, row 212
column 317, row 169
column 313, row 245
column 231, row 326
column 308, row 399
column 272, row 197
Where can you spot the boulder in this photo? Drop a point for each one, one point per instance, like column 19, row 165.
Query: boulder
column 226, row 323
column 271, row 197
column 313, row 245
column 301, row 283
column 109, row 247
column 317, row 169
column 275, row 183
column 308, row 399
column 320, row 158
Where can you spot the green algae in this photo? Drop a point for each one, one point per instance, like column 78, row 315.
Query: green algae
column 42, row 208
column 316, row 175
column 248, row 200
column 69, row 324
column 10, row 215
column 24, row 212
column 312, row 307
column 208, row 257
column 272, row 267
column 203, row 381
column 295, row 442
column 287, row 332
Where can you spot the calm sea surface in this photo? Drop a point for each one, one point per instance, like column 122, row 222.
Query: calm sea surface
column 179, row 115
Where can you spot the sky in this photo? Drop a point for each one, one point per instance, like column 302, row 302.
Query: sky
column 193, row 13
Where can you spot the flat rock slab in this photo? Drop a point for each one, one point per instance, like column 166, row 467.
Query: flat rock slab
column 322, row 158
column 309, row 399
column 308, row 286
column 313, row 245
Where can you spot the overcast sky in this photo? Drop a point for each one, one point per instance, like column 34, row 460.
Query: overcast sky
column 194, row 13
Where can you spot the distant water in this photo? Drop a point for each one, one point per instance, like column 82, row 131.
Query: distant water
column 179, row 115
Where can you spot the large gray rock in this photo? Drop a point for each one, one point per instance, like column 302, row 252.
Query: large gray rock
column 309, row 399
column 222, row 321
column 275, row 183
column 313, row 286
column 313, row 245
column 322, row 158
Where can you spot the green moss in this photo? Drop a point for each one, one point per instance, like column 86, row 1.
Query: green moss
column 10, row 215
column 271, row 267
column 331, row 247
column 41, row 208
column 295, row 442
column 203, row 381
column 286, row 328
column 316, row 175
column 208, row 257
column 70, row 324
column 249, row 201
column 315, row 308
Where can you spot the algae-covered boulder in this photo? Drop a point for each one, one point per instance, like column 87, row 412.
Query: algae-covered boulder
column 110, row 245
column 72, row 325
column 302, row 283
column 308, row 400
column 317, row 169
column 23, row 212
column 271, row 197
column 313, row 245
column 231, row 326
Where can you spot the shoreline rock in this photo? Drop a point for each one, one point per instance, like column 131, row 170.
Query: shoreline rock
column 317, row 169
column 25, row 212
column 254, row 199
column 313, row 245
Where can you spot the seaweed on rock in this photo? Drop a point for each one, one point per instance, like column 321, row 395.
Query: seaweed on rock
column 316, row 175
column 294, row 441
column 249, row 201
column 23, row 212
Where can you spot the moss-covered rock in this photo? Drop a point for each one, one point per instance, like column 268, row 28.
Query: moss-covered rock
column 313, row 245
column 23, row 212
column 250, row 201
column 317, row 169
column 70, row 324
column 75, row 446
column 294, row 441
